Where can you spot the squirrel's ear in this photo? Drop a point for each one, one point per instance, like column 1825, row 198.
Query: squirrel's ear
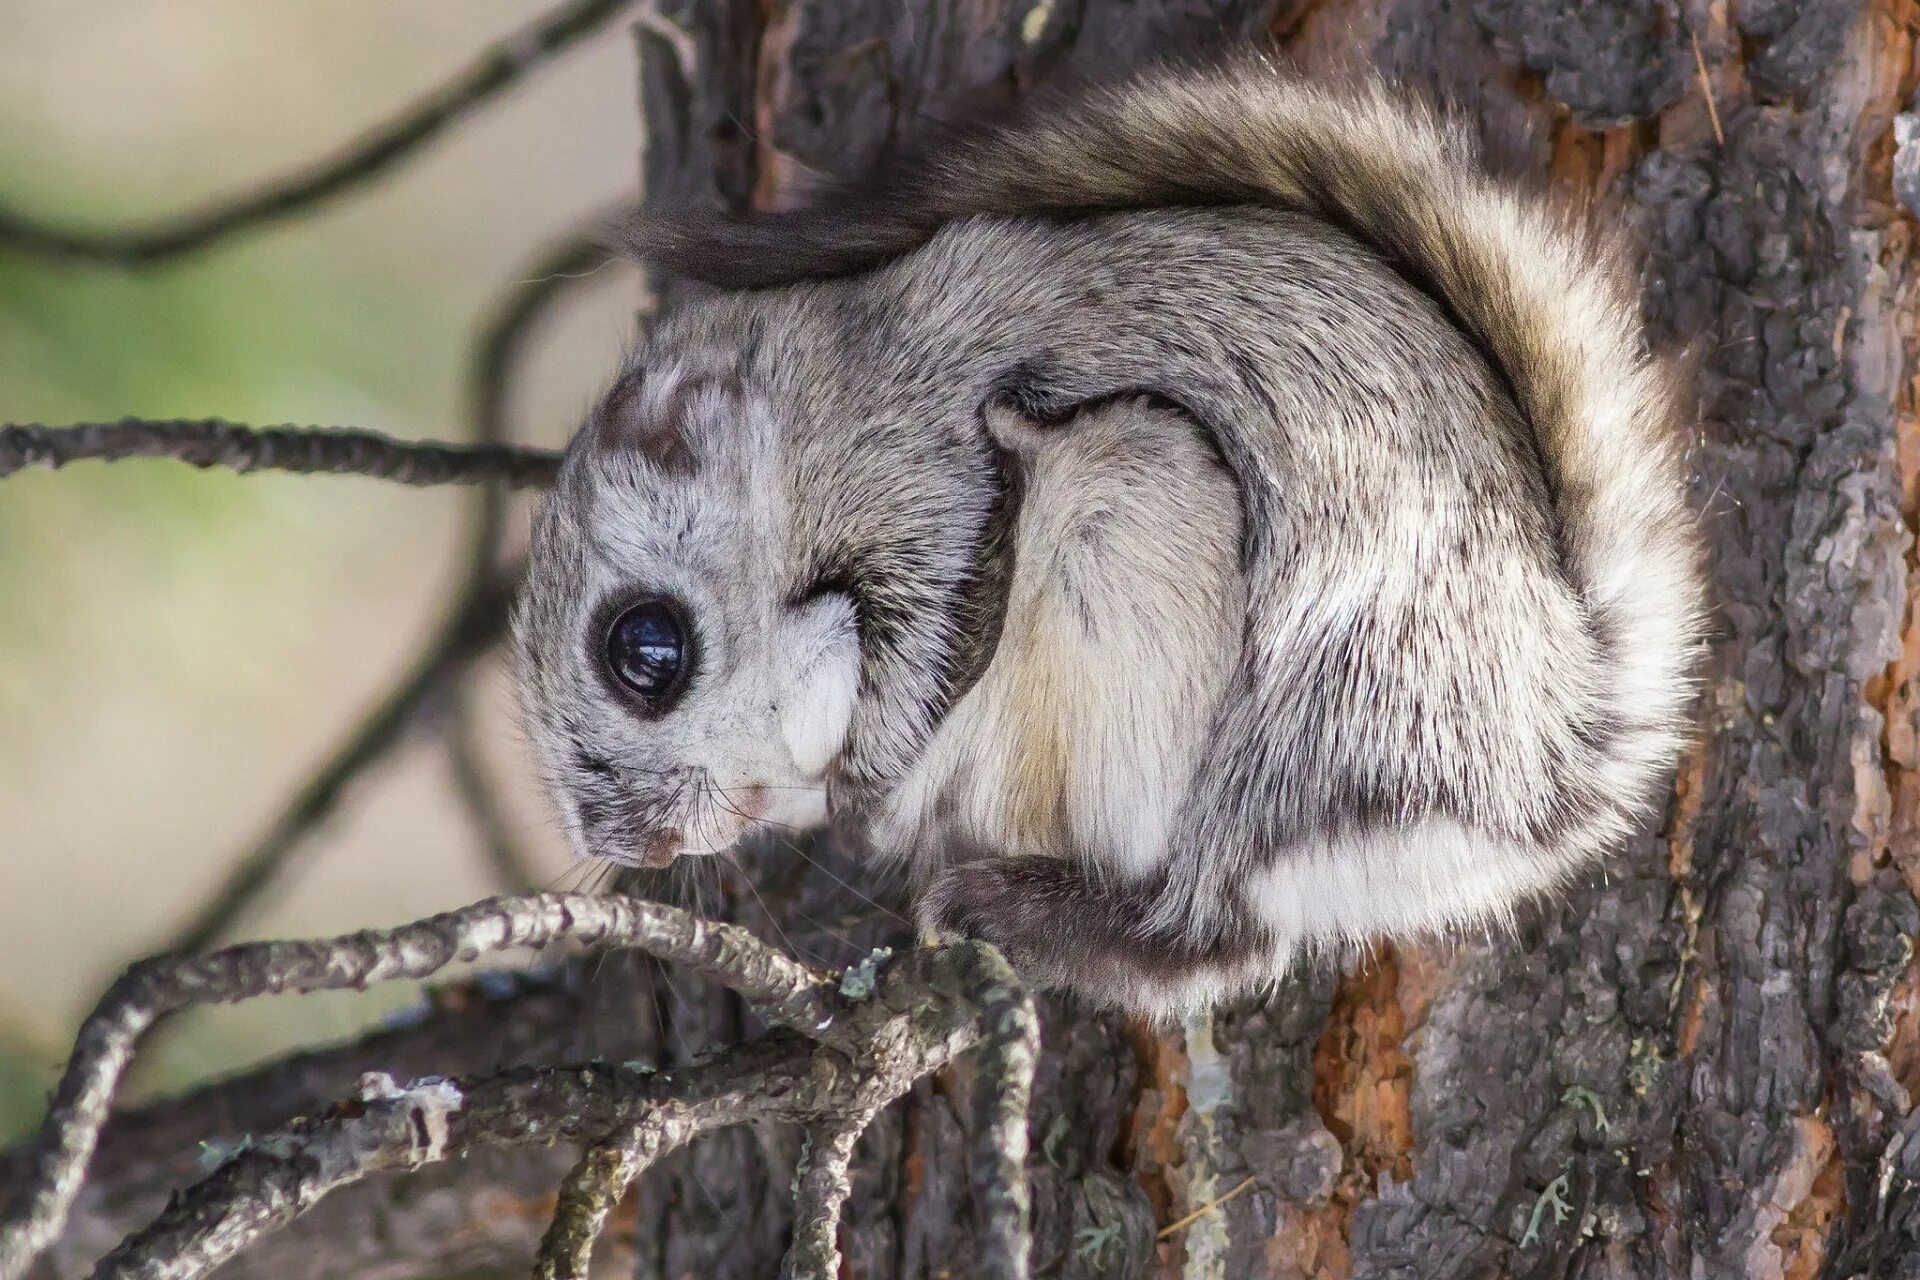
column 822, row 649
column 644, row 419
column 1013, row 427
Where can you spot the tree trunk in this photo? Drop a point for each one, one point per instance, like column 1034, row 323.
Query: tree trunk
column 1701, row 1064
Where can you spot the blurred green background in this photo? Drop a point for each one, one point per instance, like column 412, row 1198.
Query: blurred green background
column 178, row 650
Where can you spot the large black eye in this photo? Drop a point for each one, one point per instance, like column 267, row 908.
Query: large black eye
column 648, row 651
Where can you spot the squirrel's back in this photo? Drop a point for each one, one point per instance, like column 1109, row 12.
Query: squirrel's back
column 1474, row 592
column 1548, row 300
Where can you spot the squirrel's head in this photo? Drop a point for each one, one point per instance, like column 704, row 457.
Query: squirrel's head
column 681, row 684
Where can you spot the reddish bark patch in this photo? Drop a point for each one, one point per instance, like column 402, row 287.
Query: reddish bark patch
column 1817, row 1203
column 1363, row 1078
column 1311, row 1243
column 1689, row 784
column 1151, row 1135
column 1903, row 1049
column 1893, row 79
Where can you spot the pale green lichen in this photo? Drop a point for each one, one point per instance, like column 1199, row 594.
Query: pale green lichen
column 218, row 1151
column 1554, row 1198
column 1035, row 22
column 859, row 981
column 1092, row 1244
column 1057, row 1133
column 1645, row 1066
column 1580, row 1095
column 1209, row 1073
column 806, row 1154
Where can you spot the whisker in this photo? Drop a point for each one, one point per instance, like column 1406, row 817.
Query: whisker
column 854, row 949
column 828, row 872
column 768, row 823
column 707, row 804
column 773, row 921
column 719, row 795
column 697, row 882
column 577, row 875
column 602, row 881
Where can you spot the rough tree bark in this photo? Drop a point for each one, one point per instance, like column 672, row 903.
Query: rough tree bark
column 1703, row 1064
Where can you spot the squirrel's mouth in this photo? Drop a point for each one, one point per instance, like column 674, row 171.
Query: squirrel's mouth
column 651, row 843
column 691, row 817
column 659, row 849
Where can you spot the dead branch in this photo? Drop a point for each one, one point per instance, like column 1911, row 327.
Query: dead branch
column 495, row 1017
column 210, row 442
column 480, row 1025
column 785, row 991
column 589, row 1193
column 1002, row 1086
column 626, row 1114
column 833, row 1062
column 281, row 1175
column 495, row 72
column 821, row 1186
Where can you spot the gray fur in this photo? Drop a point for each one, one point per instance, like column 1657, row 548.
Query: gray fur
column 1466, row 583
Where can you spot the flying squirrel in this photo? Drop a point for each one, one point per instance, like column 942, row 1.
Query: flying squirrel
column 1207, row 523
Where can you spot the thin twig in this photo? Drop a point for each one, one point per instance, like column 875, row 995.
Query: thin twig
column 1188, row 1220
column 821, row 1186
column 210, row 442
column 595, row 1185
column 785, row 991
column 1706, row 89
column 496, row 71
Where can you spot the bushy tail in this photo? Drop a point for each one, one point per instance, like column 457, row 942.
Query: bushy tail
column 1550, row 305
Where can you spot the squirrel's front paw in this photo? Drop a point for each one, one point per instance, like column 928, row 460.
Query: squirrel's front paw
column 1014, row 903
